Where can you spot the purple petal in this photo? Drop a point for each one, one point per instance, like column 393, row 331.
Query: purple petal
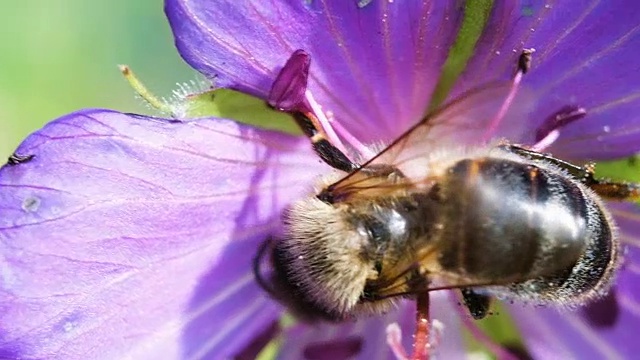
column 373, row 67
column 585, row 57
column 470, row 119
column 132, row 237
column 602, row 329
column 366, row 338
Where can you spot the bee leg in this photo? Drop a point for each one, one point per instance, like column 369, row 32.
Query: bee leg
column 609, row 190
column 616, row 190
column 327, row 151
column 477, row 304
column 288, row 95
column 580, row 173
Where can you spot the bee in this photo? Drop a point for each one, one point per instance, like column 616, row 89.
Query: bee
column 499, row 220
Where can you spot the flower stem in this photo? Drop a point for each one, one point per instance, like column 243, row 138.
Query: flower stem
column 421, row 336
column 142, row 90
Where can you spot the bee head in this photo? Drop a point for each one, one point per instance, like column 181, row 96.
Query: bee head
column 322, row 258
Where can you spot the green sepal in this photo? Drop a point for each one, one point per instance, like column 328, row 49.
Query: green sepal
column 241, row 107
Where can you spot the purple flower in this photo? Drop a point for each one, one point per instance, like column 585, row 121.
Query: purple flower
column 132, row 237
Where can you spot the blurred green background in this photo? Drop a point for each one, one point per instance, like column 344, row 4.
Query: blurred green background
column 58, row 56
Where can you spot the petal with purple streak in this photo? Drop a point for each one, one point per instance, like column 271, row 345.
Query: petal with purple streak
column 373, row 67
column 585, row 57
column 602, row 328
column 367, row 339
column 132, row 237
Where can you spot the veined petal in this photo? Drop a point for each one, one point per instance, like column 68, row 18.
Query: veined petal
column 129, row 237
column 367, row 338
column 584, row 57
column 600, row 329
column 373, row 67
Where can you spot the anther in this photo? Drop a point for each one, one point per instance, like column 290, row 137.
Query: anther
column 524, row 61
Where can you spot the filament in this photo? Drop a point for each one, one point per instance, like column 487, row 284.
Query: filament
column 524, row 64
column 335, row 131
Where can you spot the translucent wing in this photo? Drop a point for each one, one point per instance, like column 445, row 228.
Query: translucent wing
column 477, row 117
column 421, row 272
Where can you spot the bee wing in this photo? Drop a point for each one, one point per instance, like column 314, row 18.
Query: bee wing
column 474, row 118
column 405, row 281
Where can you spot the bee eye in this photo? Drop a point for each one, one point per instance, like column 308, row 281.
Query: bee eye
column 377, row 232
column 379, row 236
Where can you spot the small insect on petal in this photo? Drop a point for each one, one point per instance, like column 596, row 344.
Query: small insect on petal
column 16, row 159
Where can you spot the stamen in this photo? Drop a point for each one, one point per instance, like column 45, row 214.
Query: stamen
column 364, row 151
column 546, row 141
column 142, row 90
column 437, row 329
column 289, row 93
column 421, row 336
column 524, row 64
column 549, row 132
column 394, row 340
column 323, row 121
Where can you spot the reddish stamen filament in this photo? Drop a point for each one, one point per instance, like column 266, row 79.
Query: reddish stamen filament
column 421, row 336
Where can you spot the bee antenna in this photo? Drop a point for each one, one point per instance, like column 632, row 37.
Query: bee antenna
column 263, row 251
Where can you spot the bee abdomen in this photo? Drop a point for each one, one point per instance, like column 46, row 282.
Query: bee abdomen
column 508, row 222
